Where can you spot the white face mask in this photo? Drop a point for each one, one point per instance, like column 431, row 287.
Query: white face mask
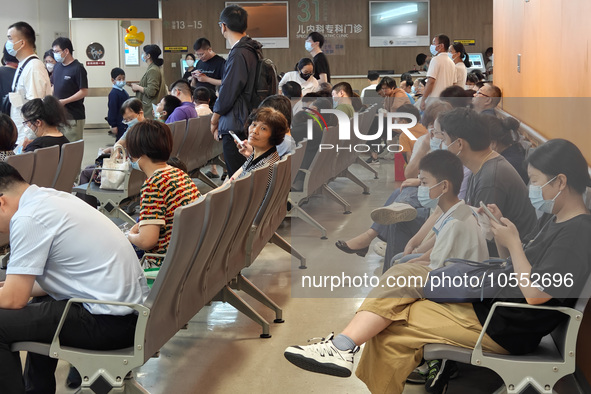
column 190, row 63
column 49, row 67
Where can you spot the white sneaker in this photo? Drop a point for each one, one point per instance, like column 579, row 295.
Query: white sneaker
column 322, row 357
column 380, row 248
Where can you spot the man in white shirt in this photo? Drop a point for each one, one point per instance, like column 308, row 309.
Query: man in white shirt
column 442, row 70
column 61, row 248
column 31, row 77
column 370, row 91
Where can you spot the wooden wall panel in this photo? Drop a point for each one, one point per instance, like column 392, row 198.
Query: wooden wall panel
column 460, row 19
column 551, row 93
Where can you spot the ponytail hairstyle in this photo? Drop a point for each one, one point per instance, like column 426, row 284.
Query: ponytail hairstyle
column 559, row 156
column 502, row 131
column 154, row 52
column 459, row 47
column 49, row 110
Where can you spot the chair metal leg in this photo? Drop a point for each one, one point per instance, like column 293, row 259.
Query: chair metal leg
column 362, row 163
column 335, row 197
column 351, row 176
column 117, row 213
column 243, row 284
column 205, row 179
column 283, row 244
column 228, row 295
column 297, row 212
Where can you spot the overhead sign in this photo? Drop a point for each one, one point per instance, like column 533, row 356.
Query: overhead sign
column 176, row 49
column 95, row 63
column 466, row 42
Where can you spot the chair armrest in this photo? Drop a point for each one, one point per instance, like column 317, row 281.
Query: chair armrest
column 574, row 314
column 140, row 328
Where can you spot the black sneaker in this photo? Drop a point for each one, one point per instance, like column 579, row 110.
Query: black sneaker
column 371, row 160
column 419, row 375
column 440, row 372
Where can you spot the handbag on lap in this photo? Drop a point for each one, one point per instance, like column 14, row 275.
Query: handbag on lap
column 114, row 170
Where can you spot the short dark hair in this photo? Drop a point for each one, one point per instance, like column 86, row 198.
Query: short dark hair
column 280, row 103
column 372, row 75
column 150, row 138
column 190, row 55
column 26, row 31
column 201, row 43
column 456, row 96
column 48, row 110
column 343, row 87
column 154, row 51
column 502, row 131
column 133, row 104
column 202, row 94
column 170, row 104
column 444, row 166
column 433, row 110
column 235, row 18
column 410, row 109
column 466, row 124
column 559, row 156
column 316, row 37
column 405, row 77
column 275, row 120
column 421, row 59
column 388, row 82
column 8, row 133
column 63, row 43
column 443, row 39
column 116, row 72
column 291, row 89
column 496, row 95
column 9, row 176
column 303, row 63
column 183, row 86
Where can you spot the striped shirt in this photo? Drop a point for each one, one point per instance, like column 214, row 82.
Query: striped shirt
column 162, row 193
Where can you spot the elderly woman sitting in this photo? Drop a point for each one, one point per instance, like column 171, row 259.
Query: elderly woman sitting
column 267, row 130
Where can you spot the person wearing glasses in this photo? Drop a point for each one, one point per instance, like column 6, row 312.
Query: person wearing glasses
column 209, row 68
column 303, row 75
column 486, row 99
column 45, row 117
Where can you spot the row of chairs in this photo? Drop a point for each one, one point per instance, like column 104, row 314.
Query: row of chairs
column 206, row 255
column 327, row 165
column 194, row 144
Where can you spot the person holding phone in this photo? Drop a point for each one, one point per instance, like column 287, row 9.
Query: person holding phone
column 267, row 130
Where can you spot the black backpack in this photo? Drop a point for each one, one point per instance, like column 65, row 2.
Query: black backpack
column 264, row 83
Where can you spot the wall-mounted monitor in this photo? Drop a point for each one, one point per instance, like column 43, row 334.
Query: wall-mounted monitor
column 399, row 23
column 476, row 61
column 115, row 9
column 268, row 22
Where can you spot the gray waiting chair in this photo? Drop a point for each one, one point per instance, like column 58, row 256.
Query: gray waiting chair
column 24, row 164
column 164, row 313
column 554, row 358
column 69, row 166
column 46, row 163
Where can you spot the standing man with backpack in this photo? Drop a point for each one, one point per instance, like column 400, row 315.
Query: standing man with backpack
column 237, row 90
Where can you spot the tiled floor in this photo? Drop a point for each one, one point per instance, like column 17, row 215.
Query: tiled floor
column 221, row 351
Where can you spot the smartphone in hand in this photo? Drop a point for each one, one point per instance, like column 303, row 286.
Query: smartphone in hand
column 238, row 140
column 489, row 213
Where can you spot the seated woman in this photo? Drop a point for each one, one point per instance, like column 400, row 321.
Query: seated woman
column 267, row 130
column 395, row 335
column 149, row 145
column 44, row 117
column 8, row 135
column 504, row 140
column 303, row 75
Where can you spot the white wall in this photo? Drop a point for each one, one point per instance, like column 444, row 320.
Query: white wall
column 49, row 18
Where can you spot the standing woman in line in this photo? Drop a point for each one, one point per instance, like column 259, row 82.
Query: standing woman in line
column 459, row 56
column 152, row 87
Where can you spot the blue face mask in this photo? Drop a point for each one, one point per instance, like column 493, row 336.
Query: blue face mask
column 135, row 164
column 58, row 57
column 436, row 143
column 120, row 84
column 10, row 47
column 537, row 199
column 131, row 123
column 424, row 199
column 433, row 49
column 308, row 46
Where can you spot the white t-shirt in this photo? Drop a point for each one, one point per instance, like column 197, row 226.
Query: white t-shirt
column 461, row 74
column 74, row 251
column 443, row 70
column 311, row 85
column 457, row 234
column 371, row 87
column 33, row 83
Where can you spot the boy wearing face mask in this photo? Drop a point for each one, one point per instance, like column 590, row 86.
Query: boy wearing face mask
column 117, row 97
